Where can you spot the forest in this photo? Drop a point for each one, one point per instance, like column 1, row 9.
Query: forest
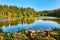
column 15, row 11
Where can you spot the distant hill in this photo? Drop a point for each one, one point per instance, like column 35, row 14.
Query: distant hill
column 54, row 13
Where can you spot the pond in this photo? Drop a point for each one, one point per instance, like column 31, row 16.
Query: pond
column 29, row 24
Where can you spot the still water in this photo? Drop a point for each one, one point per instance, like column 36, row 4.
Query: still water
column 29, row 23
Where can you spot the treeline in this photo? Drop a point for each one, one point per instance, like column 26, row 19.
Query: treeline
column 54, row 13
column 27, row 12
column 17, row 12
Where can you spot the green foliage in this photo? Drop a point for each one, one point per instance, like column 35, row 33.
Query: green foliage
column 56, row 33
column 54, row 13
column 17, row 12
column 27, row 12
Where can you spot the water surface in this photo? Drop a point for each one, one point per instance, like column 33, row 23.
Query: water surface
column 33, row 24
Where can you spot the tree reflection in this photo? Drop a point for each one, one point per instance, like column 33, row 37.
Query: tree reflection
column 26, row 20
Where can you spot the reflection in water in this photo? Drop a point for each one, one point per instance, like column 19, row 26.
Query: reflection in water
column 7, row 23
column 27, row 23
column 15, row 22
column 27, row 20
column 49, row 18
column 56, row 20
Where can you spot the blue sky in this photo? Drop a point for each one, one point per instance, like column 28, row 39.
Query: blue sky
column 36, row 4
